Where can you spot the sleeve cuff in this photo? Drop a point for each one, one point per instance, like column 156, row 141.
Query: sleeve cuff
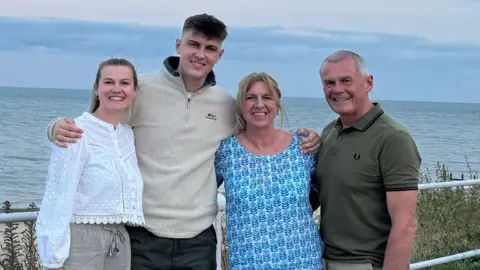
column 50, row 128
column 404, row 188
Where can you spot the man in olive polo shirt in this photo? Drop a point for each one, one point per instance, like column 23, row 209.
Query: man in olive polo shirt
column 367, row 174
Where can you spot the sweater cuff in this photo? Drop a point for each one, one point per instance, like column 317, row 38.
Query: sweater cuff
column 50, row 128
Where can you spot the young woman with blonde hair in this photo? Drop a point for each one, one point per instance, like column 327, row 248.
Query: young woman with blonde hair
column 94, row 187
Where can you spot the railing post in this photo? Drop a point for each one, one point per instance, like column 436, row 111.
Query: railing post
column 218, row 228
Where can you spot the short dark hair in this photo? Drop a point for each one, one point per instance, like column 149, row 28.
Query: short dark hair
column 207, row 25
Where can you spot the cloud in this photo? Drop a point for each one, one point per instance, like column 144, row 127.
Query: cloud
column 450, row 21
column 246, row 43
column 82, row 37
column 405, row 67
column 443, row 54
column 329, row 35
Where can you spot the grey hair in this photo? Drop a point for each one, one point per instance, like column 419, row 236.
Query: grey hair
column 342, row 55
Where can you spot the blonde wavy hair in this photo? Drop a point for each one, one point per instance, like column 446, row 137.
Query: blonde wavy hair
column 246, row 83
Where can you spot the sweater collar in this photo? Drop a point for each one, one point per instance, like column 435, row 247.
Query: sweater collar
column 171, row 64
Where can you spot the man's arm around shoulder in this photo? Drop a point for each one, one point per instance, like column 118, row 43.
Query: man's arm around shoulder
column 62, row 131
column 400, row 166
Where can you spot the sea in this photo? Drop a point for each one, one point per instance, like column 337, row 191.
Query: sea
column 446, row 133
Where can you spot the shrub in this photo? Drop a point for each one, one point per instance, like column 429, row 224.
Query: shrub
column 31, row 261
column 448, row 221
column 10, row 259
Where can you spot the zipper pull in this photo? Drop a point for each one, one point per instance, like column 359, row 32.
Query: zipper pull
column 188, row 103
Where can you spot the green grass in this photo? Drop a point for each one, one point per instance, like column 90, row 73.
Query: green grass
column 448, row 223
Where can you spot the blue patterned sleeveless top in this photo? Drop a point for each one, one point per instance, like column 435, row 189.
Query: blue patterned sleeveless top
column 268, row 213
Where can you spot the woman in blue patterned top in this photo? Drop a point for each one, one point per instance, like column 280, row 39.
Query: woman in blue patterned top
column 267, row 182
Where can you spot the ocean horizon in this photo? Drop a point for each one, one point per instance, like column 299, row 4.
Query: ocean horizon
column 445, row 132
column 285, row 96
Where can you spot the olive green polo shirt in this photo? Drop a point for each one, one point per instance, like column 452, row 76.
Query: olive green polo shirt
column 356, row 166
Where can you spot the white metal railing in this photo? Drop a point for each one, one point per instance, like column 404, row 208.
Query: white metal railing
column 18, row 217
column 32, row 216
column 448, row 184
column 454, row 257
column 446, row 259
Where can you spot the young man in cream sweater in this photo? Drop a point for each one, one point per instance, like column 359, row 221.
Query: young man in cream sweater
column 179, row 118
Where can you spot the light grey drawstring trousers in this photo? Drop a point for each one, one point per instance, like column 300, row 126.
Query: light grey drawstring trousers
column 98, row 247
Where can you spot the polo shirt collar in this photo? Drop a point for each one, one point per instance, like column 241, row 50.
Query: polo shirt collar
column 365, row 121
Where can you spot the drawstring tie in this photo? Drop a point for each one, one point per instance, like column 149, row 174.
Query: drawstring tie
column 113, row 248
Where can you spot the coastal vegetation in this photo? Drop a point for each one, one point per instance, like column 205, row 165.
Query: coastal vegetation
column 448, row 220
column 447, row 224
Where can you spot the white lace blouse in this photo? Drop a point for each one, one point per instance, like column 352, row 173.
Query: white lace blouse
column 96, row 181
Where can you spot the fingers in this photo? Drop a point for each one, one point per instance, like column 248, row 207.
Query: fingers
column 69, row 121
column 313, row 147
column 311, row 144
column 59, row 144
column 310, row 149
column 302, row 132
column 65, row 139
column 307, row 145
column 69, row 125
column 66, row 132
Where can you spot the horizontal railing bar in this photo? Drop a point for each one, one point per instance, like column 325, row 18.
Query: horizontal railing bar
column 449, row 184
column 446, row 259
column 18, row 217
column 32, row 216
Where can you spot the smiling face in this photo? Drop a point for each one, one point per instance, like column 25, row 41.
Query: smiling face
column 198, row 54
column 346, row 88
column 260, row 106
column 116, row 88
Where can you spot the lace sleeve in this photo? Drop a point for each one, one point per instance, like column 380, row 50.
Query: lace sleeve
column 56, row 209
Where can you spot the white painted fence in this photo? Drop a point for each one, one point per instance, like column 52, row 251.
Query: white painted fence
column 454, row 257
column 31, row 216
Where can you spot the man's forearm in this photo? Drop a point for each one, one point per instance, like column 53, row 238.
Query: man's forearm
column 399, row 247
column 51, row 125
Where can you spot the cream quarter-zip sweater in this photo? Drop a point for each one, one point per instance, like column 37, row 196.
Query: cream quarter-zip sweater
column 176, row 138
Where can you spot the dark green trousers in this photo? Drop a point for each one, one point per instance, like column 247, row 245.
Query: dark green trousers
column 151, row 252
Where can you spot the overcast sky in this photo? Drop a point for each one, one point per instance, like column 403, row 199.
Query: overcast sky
column 417, row 50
